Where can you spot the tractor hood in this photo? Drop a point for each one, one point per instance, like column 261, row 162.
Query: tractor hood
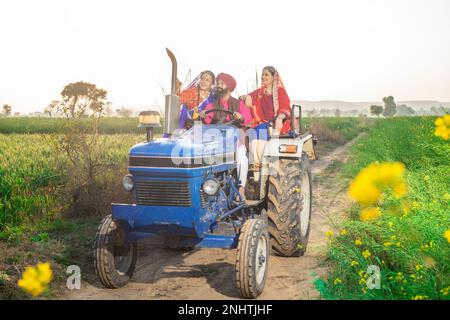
column 191, row 148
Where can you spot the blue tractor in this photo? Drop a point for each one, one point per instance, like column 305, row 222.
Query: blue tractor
column 186, row 188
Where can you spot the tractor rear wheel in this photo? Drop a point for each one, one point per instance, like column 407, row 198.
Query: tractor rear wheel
column 289, row 206
column 114, row 260
column 252, row 258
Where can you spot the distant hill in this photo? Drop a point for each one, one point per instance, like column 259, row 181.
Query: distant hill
column 344, row 105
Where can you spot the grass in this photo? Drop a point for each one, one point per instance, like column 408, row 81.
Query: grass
column 407, row 242
column 341, row 129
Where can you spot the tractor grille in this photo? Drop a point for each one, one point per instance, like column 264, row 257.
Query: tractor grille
column 203, row 198
column 163, row 193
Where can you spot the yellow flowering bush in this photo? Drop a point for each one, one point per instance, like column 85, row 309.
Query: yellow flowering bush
column 373, row 183
column 36, row 279
column 447, row 235
column 354, row 263
column 368, row 214
column 374, row 180
column 366, row 254
column 398, row 222
column 443, row 127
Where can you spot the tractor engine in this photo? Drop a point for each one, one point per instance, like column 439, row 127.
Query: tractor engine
column 186, row 174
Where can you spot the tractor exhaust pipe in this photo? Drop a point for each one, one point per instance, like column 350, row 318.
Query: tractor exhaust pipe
column 173, row 89
column 172, row 107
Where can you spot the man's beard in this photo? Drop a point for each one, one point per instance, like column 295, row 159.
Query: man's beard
column 221, row 92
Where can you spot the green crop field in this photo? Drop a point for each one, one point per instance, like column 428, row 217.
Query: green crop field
column 32, row 170
column 407, row 241
column 49, row 125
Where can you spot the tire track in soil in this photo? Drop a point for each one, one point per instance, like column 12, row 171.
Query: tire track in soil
column 210, row 273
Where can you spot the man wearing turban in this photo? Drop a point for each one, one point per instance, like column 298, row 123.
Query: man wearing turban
column 225, row 84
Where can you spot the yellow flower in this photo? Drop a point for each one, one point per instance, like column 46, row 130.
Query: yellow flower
column 35, row 279
column 31, row 285
column 366, row 254
column 391, row 224
column 354, row 263
column 400, row 277
column 369, row 214
column 358, row 242
column 337, row 281
column 447, row 235
column 362, row 281
column 45, row 274
column 387, row 244
column 368, row 186
column 445, row 291
column 329, row 234
column 400, row 189
column 443, row 127
column 343, row 232
column 419, row 267
column 419, row 297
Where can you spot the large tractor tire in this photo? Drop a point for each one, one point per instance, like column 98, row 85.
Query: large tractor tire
column 289, row 206
column 114, row 260
column 252, row 258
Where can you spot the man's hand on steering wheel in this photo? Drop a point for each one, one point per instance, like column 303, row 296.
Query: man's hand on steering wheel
column 234, row 115
column 238, row 116
column 202, row 114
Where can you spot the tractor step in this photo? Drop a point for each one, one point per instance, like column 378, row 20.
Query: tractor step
column 252, row 203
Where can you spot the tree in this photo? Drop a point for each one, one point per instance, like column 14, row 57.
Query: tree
column 51, row 107
column 390, row 108
column 337, row 112
column 7, row 109
column 108, row 109
column 82, row 98
column 376, row 110
column 124, row 112
column 404, row 110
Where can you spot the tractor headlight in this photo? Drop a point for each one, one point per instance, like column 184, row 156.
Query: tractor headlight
column 127, row 183
column 211, row 187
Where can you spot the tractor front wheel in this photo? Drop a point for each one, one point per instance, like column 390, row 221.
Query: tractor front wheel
column 289, row 206
column 252, row 258
column 114, row 260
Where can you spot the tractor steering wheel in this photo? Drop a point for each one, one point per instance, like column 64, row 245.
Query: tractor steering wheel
column 239, row 122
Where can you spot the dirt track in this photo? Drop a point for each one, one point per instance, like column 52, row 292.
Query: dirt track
column 209, row 273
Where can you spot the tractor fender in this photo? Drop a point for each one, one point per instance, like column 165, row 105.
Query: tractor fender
column 304, row 143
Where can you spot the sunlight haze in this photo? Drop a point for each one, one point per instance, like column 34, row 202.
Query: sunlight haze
column 349, row 50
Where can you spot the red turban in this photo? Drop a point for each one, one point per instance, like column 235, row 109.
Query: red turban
column 229, row 80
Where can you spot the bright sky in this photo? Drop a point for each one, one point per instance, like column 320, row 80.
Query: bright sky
column 353, row 50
